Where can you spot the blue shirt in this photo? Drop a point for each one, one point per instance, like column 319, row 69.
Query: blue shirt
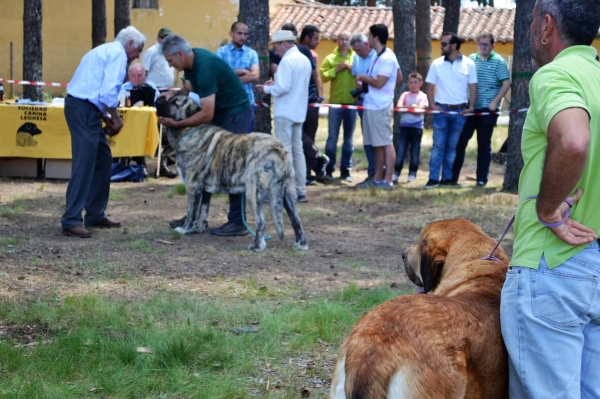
column 127, row 86
column 239, row 58
column 361, row 65
column 99, row 76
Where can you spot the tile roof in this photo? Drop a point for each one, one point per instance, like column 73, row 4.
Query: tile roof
column 334, row 19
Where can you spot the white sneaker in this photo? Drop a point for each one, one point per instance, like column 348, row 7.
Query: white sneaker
column 395, row 177
column 411, row 178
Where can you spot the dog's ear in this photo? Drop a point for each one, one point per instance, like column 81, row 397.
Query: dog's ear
column 192, row 108
column 432, row 262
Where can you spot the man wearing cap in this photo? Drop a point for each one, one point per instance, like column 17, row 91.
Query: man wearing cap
column 224, row 104
column 242, row 59
column 290, row 101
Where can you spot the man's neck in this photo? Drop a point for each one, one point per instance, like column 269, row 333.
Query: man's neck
column 484, row 57
column 234, row 44
column 343, row 52
column 189, row 60
column 378, row 47
column 453, row 56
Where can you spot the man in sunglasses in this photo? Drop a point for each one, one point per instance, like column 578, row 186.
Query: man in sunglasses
column 453, row 75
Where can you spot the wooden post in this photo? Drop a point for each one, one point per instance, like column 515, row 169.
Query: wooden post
column 12, row 69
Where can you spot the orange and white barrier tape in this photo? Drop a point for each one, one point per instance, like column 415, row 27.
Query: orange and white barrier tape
column 33, row 83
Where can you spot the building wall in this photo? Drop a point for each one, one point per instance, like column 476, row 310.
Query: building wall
column 67, row 31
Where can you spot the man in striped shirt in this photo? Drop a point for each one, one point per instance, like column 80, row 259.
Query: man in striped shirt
column 493, row 81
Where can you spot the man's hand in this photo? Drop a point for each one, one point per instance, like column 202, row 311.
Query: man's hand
column 341, row 66
column 571, row 231
column 434, row 107
column 493, row 106
column 114, row 123
column 168, row 94
column 168, row 122
column 467, row 111
column 261, row 87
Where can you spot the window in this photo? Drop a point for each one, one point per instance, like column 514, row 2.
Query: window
column 145, row 4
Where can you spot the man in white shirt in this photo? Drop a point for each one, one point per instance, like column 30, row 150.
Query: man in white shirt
column 380, row 82
column 290, row 97
column 93, row 96
column 153, row 60
column 453, row 75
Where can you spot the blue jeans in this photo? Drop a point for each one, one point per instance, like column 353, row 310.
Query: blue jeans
column 337, row 116
column 409, row 136
column 550, row 323
column 446, row 132
column 369, row 152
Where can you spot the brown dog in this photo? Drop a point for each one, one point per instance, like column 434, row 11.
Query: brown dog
column 443, row 345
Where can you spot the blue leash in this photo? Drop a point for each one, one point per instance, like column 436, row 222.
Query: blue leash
column 267, row 237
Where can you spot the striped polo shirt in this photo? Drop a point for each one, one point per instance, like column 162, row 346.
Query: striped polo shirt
column 490, row 75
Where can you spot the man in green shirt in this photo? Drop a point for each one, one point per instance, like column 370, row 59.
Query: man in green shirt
column 337, row 69
column 550, row 312
column 224, row 103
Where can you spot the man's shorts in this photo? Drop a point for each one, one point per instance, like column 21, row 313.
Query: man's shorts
column 377, row 127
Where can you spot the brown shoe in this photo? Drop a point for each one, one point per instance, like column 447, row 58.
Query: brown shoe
column 77, row 231
column 229, row 229
column 108, row 223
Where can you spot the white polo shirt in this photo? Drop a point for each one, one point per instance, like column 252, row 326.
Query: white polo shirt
column 452, row 79
column 384, row 65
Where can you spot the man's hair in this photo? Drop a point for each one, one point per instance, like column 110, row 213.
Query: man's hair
column 234, row 25
column 379, row 31
column 577, row 21
column 174, row 43
column 130, row 33
column 415, row 75
column 360, row 38
column 134, row 66
column 291, row 27
column 454, row 39
column 308, row 30
column 487, row 35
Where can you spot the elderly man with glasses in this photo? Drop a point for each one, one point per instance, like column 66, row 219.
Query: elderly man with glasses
column 493, row 81
column 453, row 75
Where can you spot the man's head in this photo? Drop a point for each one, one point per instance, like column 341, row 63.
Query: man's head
column 562, row 23
column 415, row 81
column 343, row 41
column 176, row 51
column 238, row 34
column 282, row 41
column 485, row 44
column 162, row 33
column 450, row 43
column 378, row 35
column 310, row 36
column 360, row 44
column 132, row 40
column 136, row 74
column 291, row 27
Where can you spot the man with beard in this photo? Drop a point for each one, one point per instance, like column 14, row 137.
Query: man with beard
column 550, row 313
column 453, row 75
column 242, row 59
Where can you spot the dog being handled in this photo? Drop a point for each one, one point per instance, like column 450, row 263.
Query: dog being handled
column 213, row 160
column 446, row 344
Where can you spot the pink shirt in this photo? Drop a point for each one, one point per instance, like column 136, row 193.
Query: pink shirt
column 407, row 99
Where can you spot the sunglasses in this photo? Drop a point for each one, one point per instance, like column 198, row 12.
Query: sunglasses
column 444, row 44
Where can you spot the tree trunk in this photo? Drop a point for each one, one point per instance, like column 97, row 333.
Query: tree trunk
column 371, row 3
column 423, row 43
column 98, row 22
column 522, row 71
column 404, row 45
column 255, row 14
column 32, row 48
column 121, row 15
column 452, row 15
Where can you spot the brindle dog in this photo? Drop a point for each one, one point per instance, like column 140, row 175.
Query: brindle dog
column 213, row 160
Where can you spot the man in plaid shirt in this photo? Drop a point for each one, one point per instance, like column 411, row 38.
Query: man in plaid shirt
column 242, row 59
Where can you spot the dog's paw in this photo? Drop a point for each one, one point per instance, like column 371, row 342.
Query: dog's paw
column 258, row 248
column 301, row 246
column 181, row 230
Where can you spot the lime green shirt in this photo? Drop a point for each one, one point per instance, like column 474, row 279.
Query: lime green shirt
column 571, row 80
column 342, row 82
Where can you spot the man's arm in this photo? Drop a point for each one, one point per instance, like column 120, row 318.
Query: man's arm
column 377, row 82
column 493, row 105
column 472, row 98
column 431, row 98
column 399, row 77
column 248, row 76
column 566, row 157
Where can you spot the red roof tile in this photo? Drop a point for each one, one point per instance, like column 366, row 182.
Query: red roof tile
column 334, row 19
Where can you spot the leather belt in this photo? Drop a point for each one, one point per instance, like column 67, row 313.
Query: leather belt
column 451, row 106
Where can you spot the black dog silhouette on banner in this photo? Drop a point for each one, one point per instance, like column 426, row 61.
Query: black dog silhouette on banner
column 25, row 135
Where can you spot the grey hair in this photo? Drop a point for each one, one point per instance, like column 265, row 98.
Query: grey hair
column 576, row 20
column 130, row 33
column 174, row 43
column 358, row 38
column 136, row 65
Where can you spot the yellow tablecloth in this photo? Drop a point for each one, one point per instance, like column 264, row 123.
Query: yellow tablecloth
column 34, row 131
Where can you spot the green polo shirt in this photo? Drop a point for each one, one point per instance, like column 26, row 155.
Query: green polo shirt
column 491, row 72
column 342, row 82
column 211, row 75
column 553, row 88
